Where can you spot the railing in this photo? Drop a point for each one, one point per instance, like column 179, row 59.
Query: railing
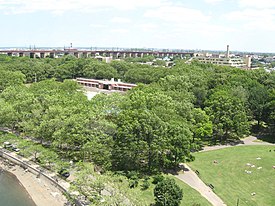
column 39, row 173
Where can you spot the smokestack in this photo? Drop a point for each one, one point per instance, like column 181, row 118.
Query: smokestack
column 227, row 52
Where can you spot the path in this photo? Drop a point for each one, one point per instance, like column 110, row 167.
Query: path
column 191, row 178
column 45, row 187
column 250, row 140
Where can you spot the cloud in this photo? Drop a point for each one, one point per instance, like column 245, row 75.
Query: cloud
column 177, row 14
column 259, row 4
column 120, row 20
column 147, row 27
column 254, row 19
column 213, row 1
column 120, row 31
column 182, row 22
column 60, row 6
column 98, row 25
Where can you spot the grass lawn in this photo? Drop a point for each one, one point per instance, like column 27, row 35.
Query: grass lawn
column 229, row 176
column 190, row 196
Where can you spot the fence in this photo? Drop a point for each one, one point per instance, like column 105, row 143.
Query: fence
column 39, row 173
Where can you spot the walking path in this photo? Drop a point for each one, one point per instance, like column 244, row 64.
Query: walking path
column 44, row 186
column 250, row 140
column 191, row 178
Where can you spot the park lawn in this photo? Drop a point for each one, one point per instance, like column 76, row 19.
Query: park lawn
column 190, row 196
column 229, row 178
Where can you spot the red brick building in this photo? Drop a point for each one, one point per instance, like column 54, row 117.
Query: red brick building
column 106, row 84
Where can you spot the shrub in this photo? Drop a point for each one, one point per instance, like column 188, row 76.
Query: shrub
column 133, row 183
column 157, row 179
column 167, row 193
column 145, row 185
column 133, row 175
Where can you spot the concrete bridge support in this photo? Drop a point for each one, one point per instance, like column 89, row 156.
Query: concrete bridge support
column 52, row 55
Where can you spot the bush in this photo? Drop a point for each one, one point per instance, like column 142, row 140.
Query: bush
column 133, row 183
column 145, row 185
column 121, row 173
column 167, row 193
column 133, row 175
column 157, row 179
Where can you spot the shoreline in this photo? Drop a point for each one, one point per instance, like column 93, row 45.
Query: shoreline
column 40, row 191
column 8, row 174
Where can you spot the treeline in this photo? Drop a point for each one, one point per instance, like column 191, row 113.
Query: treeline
column 70, row 67
column 152, row 127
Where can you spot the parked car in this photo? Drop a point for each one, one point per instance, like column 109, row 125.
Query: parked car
column 7, row 145
column 15, row 149
column 64, row 173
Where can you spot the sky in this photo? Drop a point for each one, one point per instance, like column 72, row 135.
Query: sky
column 246, row 25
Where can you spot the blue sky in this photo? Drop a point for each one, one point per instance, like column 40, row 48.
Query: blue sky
column 246, row 25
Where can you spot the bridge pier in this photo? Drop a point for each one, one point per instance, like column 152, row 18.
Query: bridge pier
column 76, row 54
column 84, row 54
column 52, row 55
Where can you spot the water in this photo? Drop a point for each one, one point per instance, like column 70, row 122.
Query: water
column 12, row 193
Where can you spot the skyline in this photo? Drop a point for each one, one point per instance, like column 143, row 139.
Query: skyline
column 246, row 25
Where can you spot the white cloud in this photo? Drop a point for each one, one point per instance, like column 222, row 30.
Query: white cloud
column 251, row 14
column 60, row 6
column 213, row 1
column 120, row 31
column 147, row 27
column 177, row 14
column 98, row 25
column 183, row 22
column 120, row 20
column 254, row 19
column 259, row 4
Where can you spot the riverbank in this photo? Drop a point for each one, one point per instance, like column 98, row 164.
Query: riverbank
column 41, row 191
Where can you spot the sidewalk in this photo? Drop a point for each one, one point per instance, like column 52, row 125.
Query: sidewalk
column 190, row 178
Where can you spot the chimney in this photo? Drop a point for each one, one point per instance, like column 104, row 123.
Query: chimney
column 227, row 52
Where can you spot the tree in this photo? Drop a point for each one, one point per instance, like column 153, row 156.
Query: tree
column 271, row 112
column 139, row 140
column 168, row 193
column 177, row 144
column 98, row 149
column 9, row 78
column 258, row 97
column 121, row 67
column 228, row 115
column 99, row 70
column 8, row 115
column 202, row 128
column 47, row 158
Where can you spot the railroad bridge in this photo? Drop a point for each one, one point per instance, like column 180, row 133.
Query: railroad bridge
column 37, row 53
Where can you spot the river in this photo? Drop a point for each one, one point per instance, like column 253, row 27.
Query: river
column 12, row 193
